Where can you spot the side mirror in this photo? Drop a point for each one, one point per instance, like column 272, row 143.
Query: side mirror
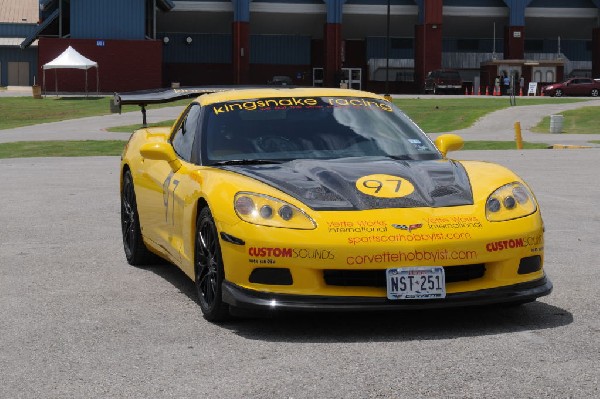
column 161, row 152
column 449, row 142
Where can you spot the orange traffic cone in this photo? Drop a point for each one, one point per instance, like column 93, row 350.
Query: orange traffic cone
column 466, row 91
column 487, row 90
column 521, row 92
column 479, row 91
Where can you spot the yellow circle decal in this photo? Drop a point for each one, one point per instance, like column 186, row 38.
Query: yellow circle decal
column 384, row 186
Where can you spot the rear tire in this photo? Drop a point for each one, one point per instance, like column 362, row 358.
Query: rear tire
column 558, row 93
column 595, row 92
column 209, row 271
column 133, row 243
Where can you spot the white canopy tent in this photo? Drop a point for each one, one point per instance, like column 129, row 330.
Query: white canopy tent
column 70, row 58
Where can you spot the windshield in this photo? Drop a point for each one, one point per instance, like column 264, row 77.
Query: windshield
column 288, row 128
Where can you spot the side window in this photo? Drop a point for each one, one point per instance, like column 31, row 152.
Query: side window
column 183, row 139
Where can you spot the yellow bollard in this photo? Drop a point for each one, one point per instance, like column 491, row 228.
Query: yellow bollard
column 518, row 137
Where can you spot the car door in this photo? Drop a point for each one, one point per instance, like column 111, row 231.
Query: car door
column 585, row 87
column 180, row 187
column 577, row 87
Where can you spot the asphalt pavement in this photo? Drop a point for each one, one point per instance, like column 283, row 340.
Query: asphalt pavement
column 78, row 322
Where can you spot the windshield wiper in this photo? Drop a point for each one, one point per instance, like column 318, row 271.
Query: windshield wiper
column 246, row 162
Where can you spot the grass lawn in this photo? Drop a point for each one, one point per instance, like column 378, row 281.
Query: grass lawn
column 578, row 121
column 26, row 111
column 445, row 115
column 31, row 149
column 432, row 115
column 501, row 145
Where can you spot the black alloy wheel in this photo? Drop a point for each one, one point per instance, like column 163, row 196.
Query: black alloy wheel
column 209, row 269
column 135, row 251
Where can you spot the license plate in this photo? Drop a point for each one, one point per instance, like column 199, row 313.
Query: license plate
column 425, row 282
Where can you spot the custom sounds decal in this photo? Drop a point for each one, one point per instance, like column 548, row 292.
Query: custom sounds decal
column 268, row 255
column 521, row 242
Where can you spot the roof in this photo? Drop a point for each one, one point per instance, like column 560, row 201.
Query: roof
column 19, row 11
column 14, row 41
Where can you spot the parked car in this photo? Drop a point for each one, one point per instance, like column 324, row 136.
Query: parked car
column 443, row 81
column 573, row 87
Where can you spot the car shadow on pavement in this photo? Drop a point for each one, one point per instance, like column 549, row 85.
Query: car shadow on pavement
column 378, row 326
column 400, row 325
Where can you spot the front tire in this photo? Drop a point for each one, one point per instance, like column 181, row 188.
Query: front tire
column 209, row 271
column 558, row 93
column 133, row 243
column 595, row 92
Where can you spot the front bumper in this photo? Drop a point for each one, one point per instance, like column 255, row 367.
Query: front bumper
column 249, row 299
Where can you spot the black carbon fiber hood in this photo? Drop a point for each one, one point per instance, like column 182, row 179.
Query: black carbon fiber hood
column 331, row 184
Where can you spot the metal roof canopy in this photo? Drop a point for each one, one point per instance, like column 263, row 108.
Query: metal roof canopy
column 71, row 59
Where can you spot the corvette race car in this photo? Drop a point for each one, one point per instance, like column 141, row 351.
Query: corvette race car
column 323, row 199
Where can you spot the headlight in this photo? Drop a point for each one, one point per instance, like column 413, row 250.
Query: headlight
column 510, row 201
column 268, row 211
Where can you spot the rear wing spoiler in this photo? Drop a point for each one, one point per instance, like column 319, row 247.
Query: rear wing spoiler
column 159, row 96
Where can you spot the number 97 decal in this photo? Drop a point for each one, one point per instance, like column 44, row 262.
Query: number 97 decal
column 384, row 186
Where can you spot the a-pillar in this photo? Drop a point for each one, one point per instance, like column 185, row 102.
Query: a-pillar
column 428, row 39
column 332, row 40
column 240, row 31
column 514, row 33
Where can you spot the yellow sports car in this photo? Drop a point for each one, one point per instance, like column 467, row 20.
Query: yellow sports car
column 323, row 199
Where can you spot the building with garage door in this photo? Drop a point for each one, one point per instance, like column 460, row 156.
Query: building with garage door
column 141, row 44
column 18, row 19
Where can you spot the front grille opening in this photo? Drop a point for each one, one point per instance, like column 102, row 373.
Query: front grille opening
column 271, row 276
column 530, row 264
column 376, row 278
